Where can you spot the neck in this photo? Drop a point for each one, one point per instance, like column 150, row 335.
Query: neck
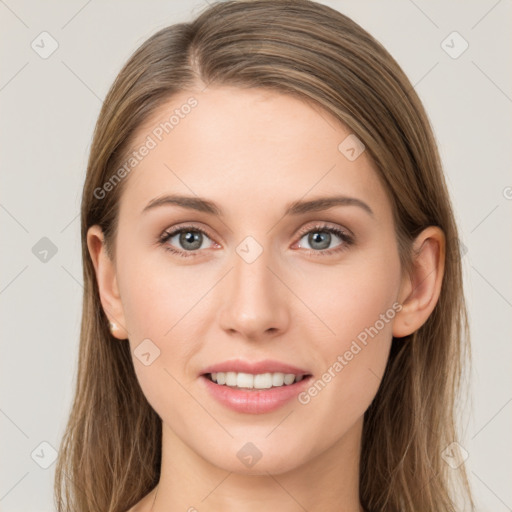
column 328, row 482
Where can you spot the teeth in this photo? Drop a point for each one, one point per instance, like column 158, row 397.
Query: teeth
column 277, row 379
column 231, row 379
column 259, row 381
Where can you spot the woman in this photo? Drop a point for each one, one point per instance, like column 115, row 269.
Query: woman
column 273, row 313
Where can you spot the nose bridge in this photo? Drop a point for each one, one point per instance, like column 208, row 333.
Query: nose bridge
column 253, row 302
column 251, row 275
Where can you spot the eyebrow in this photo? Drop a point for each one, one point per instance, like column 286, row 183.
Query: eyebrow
column 295, row 208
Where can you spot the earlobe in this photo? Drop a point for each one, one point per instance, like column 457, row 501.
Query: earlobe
column 421, row 288
column 107, row 282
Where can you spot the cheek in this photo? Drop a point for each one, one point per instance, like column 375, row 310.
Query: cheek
column 352, row 297
column 157, row 296
column 161, row 315
column 358, row 307
column 160, row 312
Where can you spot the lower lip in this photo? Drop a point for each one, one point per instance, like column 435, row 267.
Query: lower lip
column 253, row 401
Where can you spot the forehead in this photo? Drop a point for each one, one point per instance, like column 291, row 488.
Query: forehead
column 232, row 145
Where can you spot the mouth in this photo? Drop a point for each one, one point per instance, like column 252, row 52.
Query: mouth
column 255, row 382
column 254, row 387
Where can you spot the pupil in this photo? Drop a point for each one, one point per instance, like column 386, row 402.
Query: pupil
column 190, row 238
column 318, row 238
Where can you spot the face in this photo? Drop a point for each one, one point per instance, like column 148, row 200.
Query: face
column 316, row 289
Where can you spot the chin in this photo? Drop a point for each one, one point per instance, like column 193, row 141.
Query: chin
column 257, row 458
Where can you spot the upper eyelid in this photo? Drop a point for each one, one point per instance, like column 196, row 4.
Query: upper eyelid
column 174, row 230
column 324, row 225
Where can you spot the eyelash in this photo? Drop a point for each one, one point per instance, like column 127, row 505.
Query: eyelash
column 345, row 237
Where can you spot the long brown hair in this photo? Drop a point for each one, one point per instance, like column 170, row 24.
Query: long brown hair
column 111, row 450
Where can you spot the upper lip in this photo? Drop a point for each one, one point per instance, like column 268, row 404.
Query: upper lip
column 254, row 367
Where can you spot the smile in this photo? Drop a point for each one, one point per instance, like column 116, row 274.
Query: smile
column 254, row 399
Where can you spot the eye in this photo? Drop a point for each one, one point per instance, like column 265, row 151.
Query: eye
column 319, row 238
column 189, row 237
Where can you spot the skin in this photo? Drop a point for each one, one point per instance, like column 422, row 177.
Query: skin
column 253, row 152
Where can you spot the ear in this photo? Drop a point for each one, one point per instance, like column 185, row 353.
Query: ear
column 107, row 281
column 420, row 289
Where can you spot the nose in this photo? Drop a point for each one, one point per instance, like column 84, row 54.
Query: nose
column 254, row 300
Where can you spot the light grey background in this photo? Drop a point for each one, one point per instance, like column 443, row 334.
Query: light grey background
column 48, row 111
